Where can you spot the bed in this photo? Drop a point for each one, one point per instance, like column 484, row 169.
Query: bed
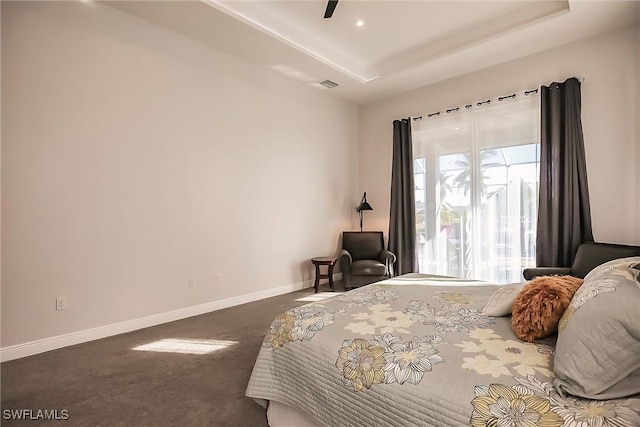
column 415, row 350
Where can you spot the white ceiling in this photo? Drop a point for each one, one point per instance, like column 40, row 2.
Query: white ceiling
column 402, row 44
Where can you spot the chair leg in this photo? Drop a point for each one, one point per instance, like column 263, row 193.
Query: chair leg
column 316, row 284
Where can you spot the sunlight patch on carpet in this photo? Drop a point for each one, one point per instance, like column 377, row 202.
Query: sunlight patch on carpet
column 185, row 346
column 318, row 297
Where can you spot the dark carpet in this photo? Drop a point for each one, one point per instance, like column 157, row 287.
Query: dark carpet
column 106, row 383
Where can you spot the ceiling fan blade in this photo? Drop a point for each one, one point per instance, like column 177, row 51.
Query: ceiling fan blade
column 331, row 6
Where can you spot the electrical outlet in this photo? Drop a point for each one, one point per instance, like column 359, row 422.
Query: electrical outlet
column 218, row 278
column 191, row 282
column 61, row 303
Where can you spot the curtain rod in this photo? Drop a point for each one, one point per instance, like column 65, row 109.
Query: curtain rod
column 488, row 101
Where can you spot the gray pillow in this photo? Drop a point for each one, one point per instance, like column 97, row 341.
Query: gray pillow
column 501, row 302
column 619, row 263
column 598, row 347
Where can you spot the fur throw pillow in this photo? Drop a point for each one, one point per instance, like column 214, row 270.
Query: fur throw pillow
column 539, row 306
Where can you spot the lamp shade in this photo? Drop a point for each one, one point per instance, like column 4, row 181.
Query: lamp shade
column 364, row 205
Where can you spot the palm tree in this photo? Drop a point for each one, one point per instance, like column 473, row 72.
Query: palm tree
column 462, row 180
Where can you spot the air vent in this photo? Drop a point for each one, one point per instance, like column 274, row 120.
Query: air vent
column 329, row 84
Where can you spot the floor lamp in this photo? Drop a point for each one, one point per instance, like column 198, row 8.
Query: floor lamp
column 364, row 206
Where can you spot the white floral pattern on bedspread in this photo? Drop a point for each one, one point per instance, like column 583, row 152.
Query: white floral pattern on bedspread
column 432, row 348
column 385, row 359
column 535, row 403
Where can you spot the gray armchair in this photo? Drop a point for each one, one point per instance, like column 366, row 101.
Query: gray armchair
column 364, row 259
column 589, row 256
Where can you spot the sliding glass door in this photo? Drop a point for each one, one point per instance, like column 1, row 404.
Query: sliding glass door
column 476, row 183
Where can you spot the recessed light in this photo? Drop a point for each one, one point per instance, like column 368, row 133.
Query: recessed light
column 359, row 23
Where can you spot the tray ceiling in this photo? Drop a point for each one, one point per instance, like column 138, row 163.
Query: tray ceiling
column 400, row 45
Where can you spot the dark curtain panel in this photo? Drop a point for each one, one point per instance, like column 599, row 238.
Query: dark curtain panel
column 564, row 214
column 402, row 224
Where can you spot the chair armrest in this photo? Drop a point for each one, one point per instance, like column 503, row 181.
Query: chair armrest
column 389, row 258
column 345, row 266
column 530, row 273
column 345, row 259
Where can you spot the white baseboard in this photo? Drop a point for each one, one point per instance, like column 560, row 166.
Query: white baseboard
column 53, row 343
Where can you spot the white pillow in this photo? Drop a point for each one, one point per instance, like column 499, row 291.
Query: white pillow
column 501, row 302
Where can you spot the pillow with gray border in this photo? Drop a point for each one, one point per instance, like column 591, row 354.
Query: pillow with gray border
column 598, row 348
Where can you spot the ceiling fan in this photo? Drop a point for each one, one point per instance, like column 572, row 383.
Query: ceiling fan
column 331, row 6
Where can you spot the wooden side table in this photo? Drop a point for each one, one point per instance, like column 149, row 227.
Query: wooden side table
column 330, row 262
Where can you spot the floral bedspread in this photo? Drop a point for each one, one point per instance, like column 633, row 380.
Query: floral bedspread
column 417, row 351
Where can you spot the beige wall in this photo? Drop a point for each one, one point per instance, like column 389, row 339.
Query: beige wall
column 134, row 158
column 610, row 118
